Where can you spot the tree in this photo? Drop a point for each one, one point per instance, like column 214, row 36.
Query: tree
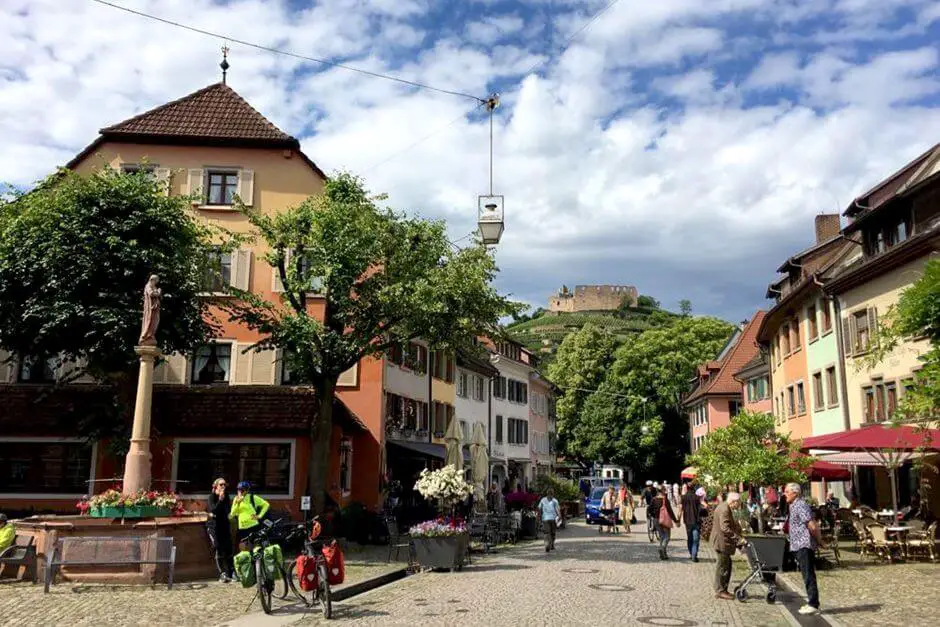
column 75, row 254
column 749, row 451
column 579, row 367
column 647, row 301
column 685, row 307
column 386, row 279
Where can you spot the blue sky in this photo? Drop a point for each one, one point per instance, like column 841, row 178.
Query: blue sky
column 680, row 146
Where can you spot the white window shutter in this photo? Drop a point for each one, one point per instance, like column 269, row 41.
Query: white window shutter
column 195, row 185
column 246, row 186
column 240, row 368
column 262, row 367
column 241, row 269
column 276, row 284
column 162, row 177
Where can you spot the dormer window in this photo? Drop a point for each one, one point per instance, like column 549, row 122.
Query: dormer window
column 887, row 234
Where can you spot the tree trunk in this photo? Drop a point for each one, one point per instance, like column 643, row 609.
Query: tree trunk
column 318, row 466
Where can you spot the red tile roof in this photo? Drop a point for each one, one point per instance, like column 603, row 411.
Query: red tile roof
column 213, row 112
column 744, row 350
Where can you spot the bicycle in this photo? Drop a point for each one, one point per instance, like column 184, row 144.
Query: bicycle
column 266, row 581
column 313, row 548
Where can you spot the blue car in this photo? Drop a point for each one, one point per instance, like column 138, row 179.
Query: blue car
column 592, row 507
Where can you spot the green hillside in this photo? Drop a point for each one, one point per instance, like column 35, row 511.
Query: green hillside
column 545, row 332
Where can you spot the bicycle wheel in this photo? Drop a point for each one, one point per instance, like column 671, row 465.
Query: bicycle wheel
column 264, row 587
column 282, row 583
column 323, row 592
column 294, row 582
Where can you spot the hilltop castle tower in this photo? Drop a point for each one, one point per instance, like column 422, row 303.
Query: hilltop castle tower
column 592, row 298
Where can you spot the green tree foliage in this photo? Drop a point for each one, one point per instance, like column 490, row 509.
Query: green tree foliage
column 749, row 450
column 685, row 307
column 75, row 254
column 647, row 301
column 579, row 368
column 566, row 490
column 385, row 279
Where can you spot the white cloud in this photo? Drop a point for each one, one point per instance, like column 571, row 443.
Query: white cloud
column 634, row 156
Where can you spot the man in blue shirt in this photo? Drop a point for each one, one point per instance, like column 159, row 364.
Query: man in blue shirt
column 551, row 512
column 804, row 537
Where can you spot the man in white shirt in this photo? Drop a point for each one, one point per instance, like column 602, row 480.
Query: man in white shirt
column 551, row 513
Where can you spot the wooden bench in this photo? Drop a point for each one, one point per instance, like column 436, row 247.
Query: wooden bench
column 111, row 551
column 22, row 553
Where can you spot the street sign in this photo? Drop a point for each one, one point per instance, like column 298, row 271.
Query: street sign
column 305, row 503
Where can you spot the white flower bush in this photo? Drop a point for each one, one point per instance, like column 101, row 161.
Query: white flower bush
column 446, row 485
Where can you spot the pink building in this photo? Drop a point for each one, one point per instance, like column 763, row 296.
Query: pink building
column 716, row 397
column 541, row 424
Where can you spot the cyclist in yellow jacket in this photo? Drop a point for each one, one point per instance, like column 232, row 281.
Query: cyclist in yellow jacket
column 248, row 509
column 7, row 533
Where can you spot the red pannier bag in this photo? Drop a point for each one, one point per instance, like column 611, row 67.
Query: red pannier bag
column 307, row 573
column 335, row 564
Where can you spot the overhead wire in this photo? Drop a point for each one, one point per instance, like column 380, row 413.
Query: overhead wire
column 287, row 53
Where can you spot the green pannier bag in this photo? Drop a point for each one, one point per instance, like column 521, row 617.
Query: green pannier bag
column 273, row 559
column 245, row 569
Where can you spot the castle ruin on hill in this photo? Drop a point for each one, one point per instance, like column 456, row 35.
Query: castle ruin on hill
column 592, row 298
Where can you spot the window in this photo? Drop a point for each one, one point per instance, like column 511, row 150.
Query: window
column 222, row 187
column 887, row 234
column 907, row 385
column 45, row 467
column 405, row 413
column 795, row 339
column 518, row 392
column 757, row 389
column 518, row 431
column 791, row 402
column 832, row 386
column 871, row 413
column 220, row 272
column 478, row 388
column 499, row 429
column 212, row 364
column 785, row 339
column 266, row 465
column 37, row 370
column 891, row 400
column 819, row 401
column 442, row 366
column 443, row 414
column 288, row 377
column 734, row 408
column 462, row 385
column 777, row 409
column 499, row 387
column 811, row 320
column 464, row 431
column 826, row 318
column 345, row 465
column 800, row 398
column 862, row 331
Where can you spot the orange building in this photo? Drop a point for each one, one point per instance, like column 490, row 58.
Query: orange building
column 222, row 410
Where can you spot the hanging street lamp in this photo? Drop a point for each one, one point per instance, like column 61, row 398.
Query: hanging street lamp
column 490, row 207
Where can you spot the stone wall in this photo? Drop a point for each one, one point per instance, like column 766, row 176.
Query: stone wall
column 592, row 298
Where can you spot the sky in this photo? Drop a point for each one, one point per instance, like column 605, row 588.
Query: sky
column 681, row 146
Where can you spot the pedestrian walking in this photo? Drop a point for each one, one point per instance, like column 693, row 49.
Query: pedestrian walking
column 675, row 494
column 626, row 507
column 609, row 508
column 726, row 537
column 551, row 513
column 690, row 511
column 804, row 535
column 219, row 529
column 660, row 510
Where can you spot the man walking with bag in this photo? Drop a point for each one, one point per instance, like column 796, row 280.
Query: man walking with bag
column 726, row 537
column 551, row 512
column 804, row 536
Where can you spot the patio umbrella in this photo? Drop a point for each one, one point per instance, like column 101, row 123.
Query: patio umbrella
column 689, row 473
column 453, row 455
column 479, row 462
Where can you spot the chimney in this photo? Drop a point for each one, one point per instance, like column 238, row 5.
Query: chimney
column 827, row 227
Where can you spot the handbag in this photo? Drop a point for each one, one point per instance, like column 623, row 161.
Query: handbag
column 665, row 520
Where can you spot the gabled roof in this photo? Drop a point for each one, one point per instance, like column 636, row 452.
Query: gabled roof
column 758, row 365
column 741, row 353
column 213, row 112
column 215, row 115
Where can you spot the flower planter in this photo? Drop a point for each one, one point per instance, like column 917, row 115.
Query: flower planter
column 529, row 528
column 133, row 511
column 446, row 552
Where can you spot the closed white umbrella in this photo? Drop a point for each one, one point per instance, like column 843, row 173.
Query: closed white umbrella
column 479, row 462
column 453, row 455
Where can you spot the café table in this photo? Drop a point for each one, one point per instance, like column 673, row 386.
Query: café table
column 900, row 531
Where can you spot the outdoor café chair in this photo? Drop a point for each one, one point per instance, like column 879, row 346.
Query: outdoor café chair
column 21, row 554
column 924, row 542
column 883, row 547
column 396, row 540
column 863, row 539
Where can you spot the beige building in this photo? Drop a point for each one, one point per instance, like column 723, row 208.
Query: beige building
column 592, row 298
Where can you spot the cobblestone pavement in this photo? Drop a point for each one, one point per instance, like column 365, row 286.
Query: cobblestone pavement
column 591, row 578
column 200, row 603
column 866, row 593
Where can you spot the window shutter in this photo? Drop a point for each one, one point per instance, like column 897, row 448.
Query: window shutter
column 241, row 364
column 241, row 260
column 350, row 378
column 872, row 326
column 162, row 177
column 246, row 186
column 195, row 185
column 262, row 367
column 7, row 367
column 276, row 284
column 171, row 370
column 848, row 342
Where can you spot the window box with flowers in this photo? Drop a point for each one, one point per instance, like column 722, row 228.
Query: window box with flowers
column 145, row 504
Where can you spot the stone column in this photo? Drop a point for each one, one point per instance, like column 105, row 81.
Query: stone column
column 137, row 465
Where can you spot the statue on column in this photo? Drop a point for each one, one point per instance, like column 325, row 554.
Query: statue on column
column 152, row 295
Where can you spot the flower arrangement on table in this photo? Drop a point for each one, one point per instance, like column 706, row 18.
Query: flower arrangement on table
column 150, row 502
column 446, row 486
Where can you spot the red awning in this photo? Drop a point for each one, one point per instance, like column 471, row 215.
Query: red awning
column 903, row 438
column 825, row 470
column 689, row 473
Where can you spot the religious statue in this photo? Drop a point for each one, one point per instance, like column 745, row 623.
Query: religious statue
column 152, row 295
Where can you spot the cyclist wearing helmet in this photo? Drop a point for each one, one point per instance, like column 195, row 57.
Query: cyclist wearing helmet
column 248, row 509
column 648, row 493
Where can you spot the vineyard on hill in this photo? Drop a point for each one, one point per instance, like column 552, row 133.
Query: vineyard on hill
column 543, row 333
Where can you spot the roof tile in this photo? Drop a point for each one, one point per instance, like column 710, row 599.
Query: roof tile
column 744, row 350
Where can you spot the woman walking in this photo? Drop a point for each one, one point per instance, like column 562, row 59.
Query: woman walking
column 220, row 530
column 626, row 507
column 660, row 510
